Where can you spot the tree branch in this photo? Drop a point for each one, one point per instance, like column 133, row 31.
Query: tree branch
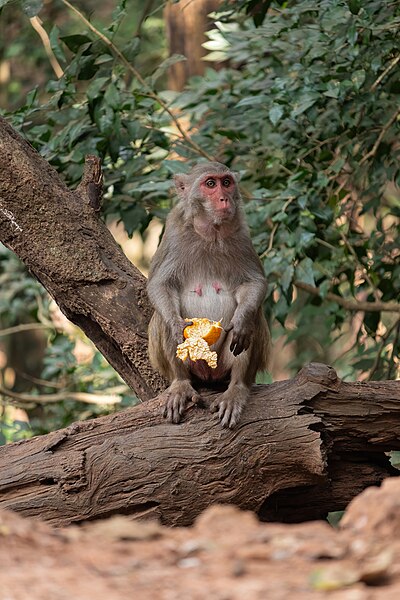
column 303, row 447
column 382, row 134
column 58, row 235
column 40, row 30
column 24, row 327
column 49, row 398
column 382, row 76
column 352, row 305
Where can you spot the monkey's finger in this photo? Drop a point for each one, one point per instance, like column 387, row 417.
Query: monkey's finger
column 164, row 409
column 234, row 343
column 214, row 406
column 225, row 419
column 171, row 410
column 176, row 411
column 196, row 399
column 222, row 413
column 242, row 344
column 228, row 328
column 238, row 349
column 246, row 343
column 234, row 417
column 231, row 415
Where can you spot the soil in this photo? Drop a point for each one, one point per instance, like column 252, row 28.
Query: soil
column 227, row 555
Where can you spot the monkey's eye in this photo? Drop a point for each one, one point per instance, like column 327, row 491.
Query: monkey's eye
column 211, row 183
column 226, row 182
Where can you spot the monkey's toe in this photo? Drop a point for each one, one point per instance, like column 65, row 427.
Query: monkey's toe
column 174, row 408
column 229, row 411
column 177, row 398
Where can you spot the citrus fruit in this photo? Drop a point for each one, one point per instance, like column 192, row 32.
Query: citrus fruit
column 203, row 328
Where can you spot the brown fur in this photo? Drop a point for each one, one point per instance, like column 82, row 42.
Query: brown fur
column 206, row 266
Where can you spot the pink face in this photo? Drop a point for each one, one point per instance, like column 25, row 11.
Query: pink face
column 219, row 190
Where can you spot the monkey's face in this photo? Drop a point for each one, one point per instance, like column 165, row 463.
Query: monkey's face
column 219, row 194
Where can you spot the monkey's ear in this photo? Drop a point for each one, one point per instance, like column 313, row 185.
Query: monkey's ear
column 236, row 175
column 181, row 183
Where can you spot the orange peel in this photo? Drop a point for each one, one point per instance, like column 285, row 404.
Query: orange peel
column 199, row 336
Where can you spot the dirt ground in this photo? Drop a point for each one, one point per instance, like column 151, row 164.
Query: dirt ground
column 226, row 555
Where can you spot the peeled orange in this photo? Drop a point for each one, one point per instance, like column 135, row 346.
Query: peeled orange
column 195, row 348
column 199, row 337
column 203, row 328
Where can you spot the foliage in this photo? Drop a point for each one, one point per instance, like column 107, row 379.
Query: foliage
column 307, row 112
column 313, row 127
column 11, row 428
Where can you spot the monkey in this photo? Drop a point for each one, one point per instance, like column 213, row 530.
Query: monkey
column 207, row 267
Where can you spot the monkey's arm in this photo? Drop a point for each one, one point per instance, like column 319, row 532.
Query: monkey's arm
column 163, row 288
column 249, row 297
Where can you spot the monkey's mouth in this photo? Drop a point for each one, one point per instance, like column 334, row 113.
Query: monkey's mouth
column 224, row 213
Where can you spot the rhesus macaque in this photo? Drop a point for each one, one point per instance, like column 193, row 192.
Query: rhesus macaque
column 207, row 267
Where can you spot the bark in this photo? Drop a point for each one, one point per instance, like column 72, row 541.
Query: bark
column 304, row 447
column 58, row 234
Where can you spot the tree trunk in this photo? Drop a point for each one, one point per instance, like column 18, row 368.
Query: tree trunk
column 59, row 236
column 304, row 447
column 186, row 23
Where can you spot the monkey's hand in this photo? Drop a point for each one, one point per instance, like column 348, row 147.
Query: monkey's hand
column 177, row 327
column 242, row 335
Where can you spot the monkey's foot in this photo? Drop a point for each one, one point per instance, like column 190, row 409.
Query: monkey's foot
column 230, row 406
column 177, row 397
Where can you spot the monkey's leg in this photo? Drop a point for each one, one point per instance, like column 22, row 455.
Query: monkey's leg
column 162, row 351
column 230, row 404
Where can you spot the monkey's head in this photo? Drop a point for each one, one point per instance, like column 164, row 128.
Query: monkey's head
column 210, row 189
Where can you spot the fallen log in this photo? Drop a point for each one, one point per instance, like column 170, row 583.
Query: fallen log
column 304, row 447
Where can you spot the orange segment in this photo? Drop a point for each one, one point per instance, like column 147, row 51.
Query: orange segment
column 203, row 328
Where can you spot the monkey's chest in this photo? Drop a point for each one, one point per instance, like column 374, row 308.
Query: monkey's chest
column 212, row 300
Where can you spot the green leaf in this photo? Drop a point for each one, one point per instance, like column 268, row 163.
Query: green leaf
column 287, row 277
column 306, row 238
column 358, row 78
column 74, row 42
column 354, row 6
column 165, row 65
column 133, row 219
column 96, row 86
column 352, row 34
column 303, row 104
column 112, row 96
column 131, row 49
column 275, row 113
column 251, row 101
column 304, row 271
column 54, row 37
column 333, row 89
